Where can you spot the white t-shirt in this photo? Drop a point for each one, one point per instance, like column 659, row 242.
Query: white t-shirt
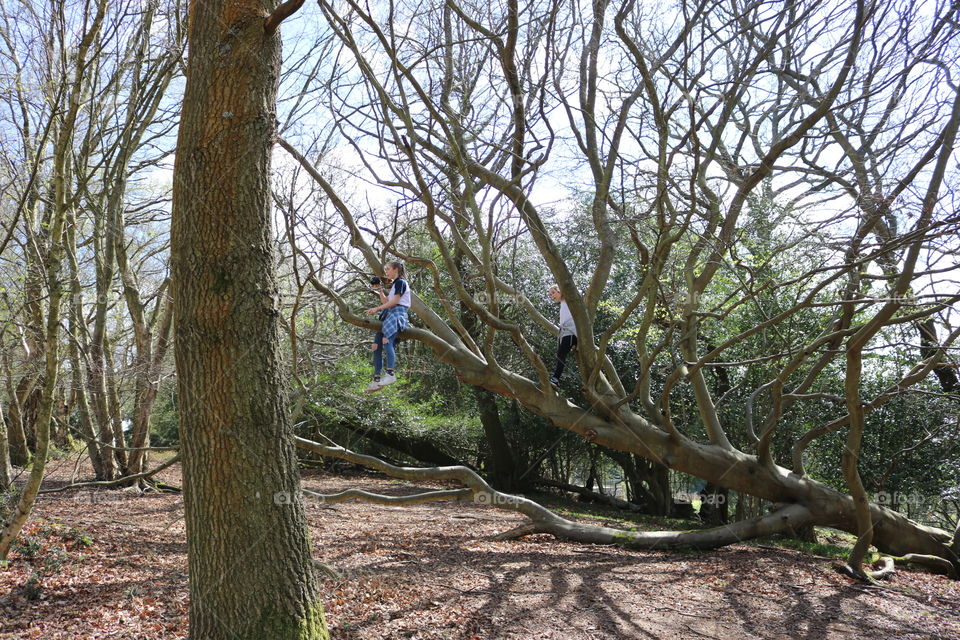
column 400, row 287
column 567, row 325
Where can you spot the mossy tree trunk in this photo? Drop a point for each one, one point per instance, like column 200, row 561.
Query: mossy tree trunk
column 251, row 573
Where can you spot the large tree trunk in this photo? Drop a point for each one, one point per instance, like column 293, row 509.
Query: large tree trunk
column 893, row 533
column 502, row 468
column 648, row 482
column 251, row 572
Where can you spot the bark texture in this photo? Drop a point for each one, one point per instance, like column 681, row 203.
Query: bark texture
column 251, row 574
column 6, row 473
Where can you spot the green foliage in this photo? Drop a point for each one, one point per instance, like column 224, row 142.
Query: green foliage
column 909, row 454
column 814, row 548
column 28, row 545
column 339, row 410
column 47, row 546
column 164, row 429
column 79, row 537
column 617, row 517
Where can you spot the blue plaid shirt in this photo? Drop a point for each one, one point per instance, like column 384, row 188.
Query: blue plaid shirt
column 395, row 320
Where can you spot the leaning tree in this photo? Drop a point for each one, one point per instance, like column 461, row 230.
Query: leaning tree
column 679, row 129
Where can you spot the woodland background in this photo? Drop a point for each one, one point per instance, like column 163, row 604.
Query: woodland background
column 751, row 207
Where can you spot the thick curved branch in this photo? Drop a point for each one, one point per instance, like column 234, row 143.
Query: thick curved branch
column 935, row 563
column 786, row 519
column 366, row 496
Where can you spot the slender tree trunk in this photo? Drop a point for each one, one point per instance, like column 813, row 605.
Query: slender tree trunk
column 251, row 572
column 101, row 467
column 42, row 425
column 19, row 452
column 60, row 431
column 96, row 358
column 60, row 216
column 147, row 384
column 83, row 414
column 116, row 416
column 32, row 380
column 6, row 472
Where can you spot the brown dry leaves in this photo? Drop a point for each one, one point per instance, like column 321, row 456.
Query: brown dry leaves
column 431, row 572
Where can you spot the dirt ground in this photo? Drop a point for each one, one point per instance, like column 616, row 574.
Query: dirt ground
column 109, row 564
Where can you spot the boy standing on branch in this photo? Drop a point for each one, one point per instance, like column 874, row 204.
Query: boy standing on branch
column 567, row 338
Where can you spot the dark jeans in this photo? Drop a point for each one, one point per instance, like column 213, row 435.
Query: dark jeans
column 564, row 346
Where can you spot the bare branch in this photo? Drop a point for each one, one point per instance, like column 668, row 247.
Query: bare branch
column 280, row 14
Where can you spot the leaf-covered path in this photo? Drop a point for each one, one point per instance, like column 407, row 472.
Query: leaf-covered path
column 433, row 572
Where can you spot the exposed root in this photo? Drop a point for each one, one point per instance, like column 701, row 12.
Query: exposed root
column 887, row 569
column 934, row 563
column 327, row 570
column 518, row 532
column 359, row 494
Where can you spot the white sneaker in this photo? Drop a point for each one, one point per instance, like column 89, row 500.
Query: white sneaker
column 374, row 386
column 387, row 379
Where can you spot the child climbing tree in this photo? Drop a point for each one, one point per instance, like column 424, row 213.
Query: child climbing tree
column 680, row 155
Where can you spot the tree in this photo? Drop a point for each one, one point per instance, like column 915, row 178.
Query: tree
column 6, row 472
column 62, row 214
column 676, row 126
column 251, row 574
column 119, row 124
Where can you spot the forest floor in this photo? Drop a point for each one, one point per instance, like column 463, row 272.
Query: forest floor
column 110, row 564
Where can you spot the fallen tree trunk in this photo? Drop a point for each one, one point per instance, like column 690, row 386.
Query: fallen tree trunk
column 788, row 519
column 624, row 430
column 542, row 520
column 593, row 496
column 418, row 448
